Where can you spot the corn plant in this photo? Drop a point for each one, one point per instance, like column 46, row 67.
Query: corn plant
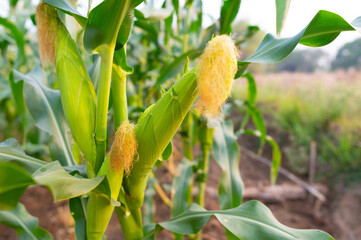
column 99, row 173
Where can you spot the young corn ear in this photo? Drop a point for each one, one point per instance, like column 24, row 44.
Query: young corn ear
column 213, row 77
column 154, row 130
column 76, row 90
column 122, row 155
column 215, row 74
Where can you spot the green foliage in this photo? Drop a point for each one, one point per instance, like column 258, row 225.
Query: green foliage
column 229, row 12
column 45, row 107
column 322, row 30
column 10, row 151
column 227, row 154
column 25, row 225
column 13, row 182
column 303, row 112
column 252, row 220
column 281, row 14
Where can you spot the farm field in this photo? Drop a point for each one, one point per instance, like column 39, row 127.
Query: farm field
column 174, row 119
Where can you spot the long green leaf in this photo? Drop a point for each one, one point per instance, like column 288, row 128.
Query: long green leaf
column 44, row 105
column 229, row 12
column 227, row 154
column 63, row 185
column 19, row 39
column 25, row 225
column 252, row 220
column 77, row 208
column 281, row 14
column 10, row 151
column 323, row 29
column 181, row 182
column 17, row 92
column 13, row 182
column 252, row 88
column 276, row 152
column 174, row 68
column 106, row 19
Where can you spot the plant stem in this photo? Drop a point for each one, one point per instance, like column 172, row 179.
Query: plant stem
column 204, row 165
column 206, row 139
column 162, row 195
column 187, row 136
column 119, row 90
column 129, row 221
column 102, row 104
column 99, row 211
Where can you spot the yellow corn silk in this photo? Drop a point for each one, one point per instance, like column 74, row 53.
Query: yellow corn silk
column 212, row 78
column 123, row 152
column 76, row 90
column 215, row 74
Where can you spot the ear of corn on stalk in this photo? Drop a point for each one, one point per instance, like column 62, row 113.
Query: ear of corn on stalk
column 154, row 130
column 76, row 90
column 212, row 78
column 122, row 155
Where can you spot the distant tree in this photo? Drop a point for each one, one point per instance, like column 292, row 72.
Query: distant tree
column 348, row 56
column 302, row 61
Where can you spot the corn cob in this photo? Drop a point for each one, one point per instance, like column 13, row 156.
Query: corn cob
column 158, row 124
column 76, row 90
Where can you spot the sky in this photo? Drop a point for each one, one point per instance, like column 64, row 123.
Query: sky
column 263, row 14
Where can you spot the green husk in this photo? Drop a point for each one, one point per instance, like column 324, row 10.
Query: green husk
column 77, row 94
column 76, row 90
column 154, row 130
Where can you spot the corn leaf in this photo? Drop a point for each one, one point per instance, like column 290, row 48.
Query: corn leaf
column 323, row 29
column 13, row 182
column 10, row 151
column 181, row 182
column 17, row 92
column 276, row 152
column 25, row 225
column 63, row 185
column 357, row 23
column 174, row 68
column 229, row 12
column 77, row 208
column 5, row 91
column 250, row 221
column 19, row 39
column 66, row 7
column 227, row 154
column 106, row 20
column 149, row 203
column 252, row 88
column 281, row 14
column 44, row 105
